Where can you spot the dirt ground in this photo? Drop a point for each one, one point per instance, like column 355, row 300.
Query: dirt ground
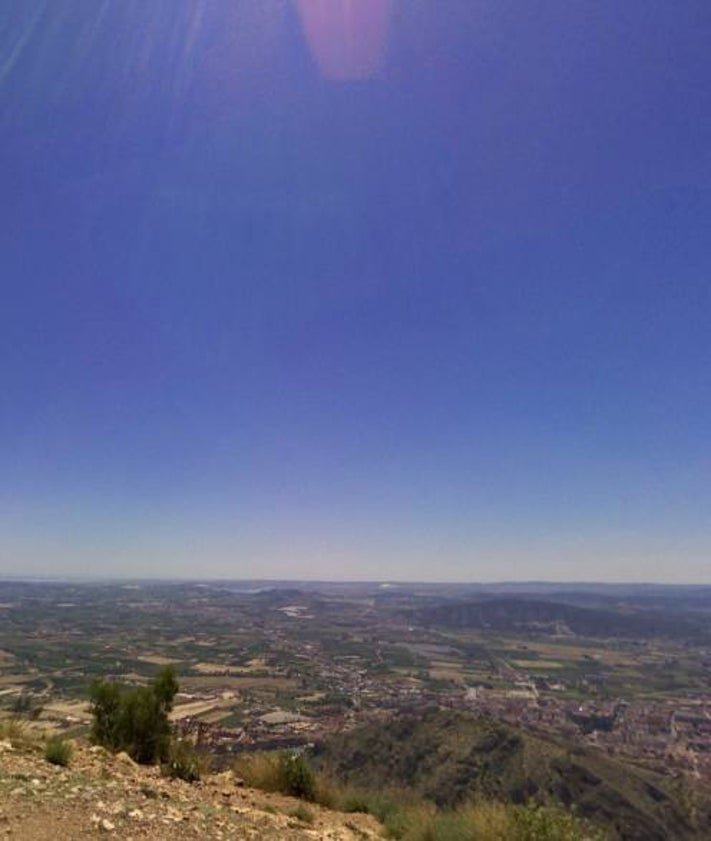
column 102, row 796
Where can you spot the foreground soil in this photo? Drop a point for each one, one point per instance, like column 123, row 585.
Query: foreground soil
column 103, row 796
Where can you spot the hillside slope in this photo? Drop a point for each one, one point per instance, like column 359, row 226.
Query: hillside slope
column 517, row 614
column 450, row 758
column 99, row 795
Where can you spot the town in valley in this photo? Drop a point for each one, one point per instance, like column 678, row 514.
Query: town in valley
column 624, row 670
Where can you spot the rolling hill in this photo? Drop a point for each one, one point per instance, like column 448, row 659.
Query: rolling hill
column 516, row 614
column 451, row 758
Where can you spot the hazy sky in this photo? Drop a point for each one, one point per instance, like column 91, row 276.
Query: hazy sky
column 416, row 289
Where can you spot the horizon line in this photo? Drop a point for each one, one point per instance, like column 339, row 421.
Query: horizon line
column 384, row 582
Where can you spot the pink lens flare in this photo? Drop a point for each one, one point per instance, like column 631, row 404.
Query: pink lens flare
column 347, row 38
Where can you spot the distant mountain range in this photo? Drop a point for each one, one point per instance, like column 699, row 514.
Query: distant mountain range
column 516, row 614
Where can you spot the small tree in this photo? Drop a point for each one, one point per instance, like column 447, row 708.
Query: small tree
column 134, row 720
column 298, row 778
column 165, row 688
column 105, row 698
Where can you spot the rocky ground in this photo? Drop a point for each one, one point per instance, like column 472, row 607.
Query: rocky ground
column 100, row 795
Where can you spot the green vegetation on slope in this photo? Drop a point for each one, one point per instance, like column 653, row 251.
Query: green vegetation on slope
column 408, row 817
column 278, row 771
column 58, row 751
column 453, row 759
column 134, row 719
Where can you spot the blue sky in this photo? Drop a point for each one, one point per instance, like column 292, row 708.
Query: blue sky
column 445, row 320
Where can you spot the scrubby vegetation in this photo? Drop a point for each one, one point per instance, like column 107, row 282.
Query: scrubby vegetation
column 58, row 751
column 184, row 763
column 489, row 822
column 14, row 730
column 134, row 719
column 452, row 759
column 407, row 816
column 282, row 772
column 302, row 813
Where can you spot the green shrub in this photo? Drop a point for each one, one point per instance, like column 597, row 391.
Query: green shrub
column 550, row 823
column 282, row 772
column 57, row 751
column 356, row 801
column 259, row 770
column 134, row 719
column 299, row 780
column 143, row 727
column 409, row 819
column 486, row 822
column 184, row 763
column 16, row 731
column 302, row 813
column 105, row 698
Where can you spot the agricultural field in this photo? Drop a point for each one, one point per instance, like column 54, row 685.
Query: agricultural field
column 274, row 665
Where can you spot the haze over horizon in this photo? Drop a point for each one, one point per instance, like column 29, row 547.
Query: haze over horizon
column 421, row 292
